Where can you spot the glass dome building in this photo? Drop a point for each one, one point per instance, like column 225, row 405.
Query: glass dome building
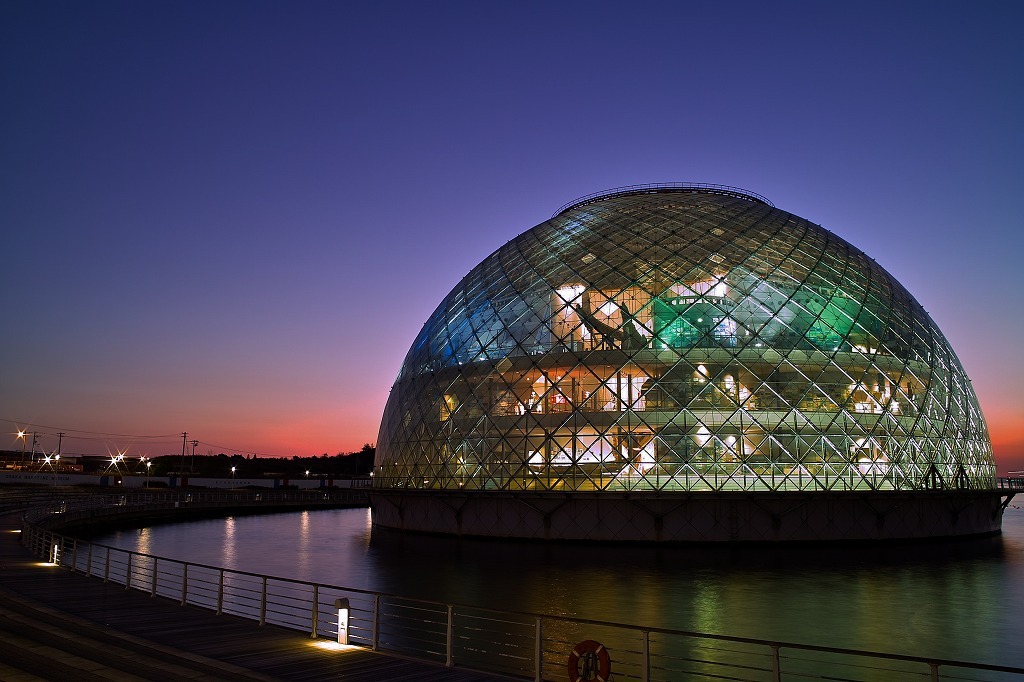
column 686, row 344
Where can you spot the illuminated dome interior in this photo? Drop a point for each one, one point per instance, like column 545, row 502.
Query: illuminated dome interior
column 681, row 338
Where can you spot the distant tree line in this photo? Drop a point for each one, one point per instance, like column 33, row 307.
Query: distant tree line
column 358, row 463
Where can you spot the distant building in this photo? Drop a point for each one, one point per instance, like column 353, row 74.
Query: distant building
column 683, row 362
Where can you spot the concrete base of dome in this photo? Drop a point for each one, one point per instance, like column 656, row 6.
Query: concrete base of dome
column 694, row 517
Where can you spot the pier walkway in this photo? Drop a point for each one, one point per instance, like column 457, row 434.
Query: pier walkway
column 55, row 625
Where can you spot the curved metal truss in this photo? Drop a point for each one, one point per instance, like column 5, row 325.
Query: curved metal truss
column 681, row 340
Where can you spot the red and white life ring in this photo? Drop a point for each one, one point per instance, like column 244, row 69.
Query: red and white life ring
column 589, row 661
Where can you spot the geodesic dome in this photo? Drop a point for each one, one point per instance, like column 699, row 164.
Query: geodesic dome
column 681, row 338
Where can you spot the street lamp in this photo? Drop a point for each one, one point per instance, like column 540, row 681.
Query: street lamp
column 114, row 459
column 22, row 435
column 232, row 473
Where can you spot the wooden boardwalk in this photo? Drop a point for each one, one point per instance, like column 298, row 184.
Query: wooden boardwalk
column 55, row 625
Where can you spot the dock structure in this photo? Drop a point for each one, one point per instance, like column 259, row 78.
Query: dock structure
column 55, row 625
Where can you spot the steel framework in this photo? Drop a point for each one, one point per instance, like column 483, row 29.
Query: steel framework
column 690, row 338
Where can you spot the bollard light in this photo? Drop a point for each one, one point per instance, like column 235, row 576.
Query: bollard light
column 342, row 606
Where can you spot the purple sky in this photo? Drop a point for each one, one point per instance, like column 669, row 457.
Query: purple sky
column 232, row 218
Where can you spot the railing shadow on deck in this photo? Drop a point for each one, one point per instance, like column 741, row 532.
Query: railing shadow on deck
column 523, row 645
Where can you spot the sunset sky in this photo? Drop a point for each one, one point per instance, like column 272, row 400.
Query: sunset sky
column 232, row 218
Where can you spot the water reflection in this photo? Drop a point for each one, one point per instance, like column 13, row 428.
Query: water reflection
column 143, row 541
column 954, row 600
column 305, row 542
column 227, row 556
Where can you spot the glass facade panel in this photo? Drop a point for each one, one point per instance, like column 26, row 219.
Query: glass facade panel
column 681, row 339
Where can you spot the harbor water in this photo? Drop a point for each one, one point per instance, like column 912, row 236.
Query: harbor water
column 956, row 600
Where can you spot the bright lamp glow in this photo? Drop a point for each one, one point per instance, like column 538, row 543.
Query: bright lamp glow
column 326, row 645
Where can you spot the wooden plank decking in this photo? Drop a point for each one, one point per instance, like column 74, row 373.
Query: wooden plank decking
column 55, row 625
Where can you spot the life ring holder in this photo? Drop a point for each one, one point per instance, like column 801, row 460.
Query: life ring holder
column 596, row 663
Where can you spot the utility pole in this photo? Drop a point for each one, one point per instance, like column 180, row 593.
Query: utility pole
column 184, row 440
column 60, row 439
column 34, row 437
column 192, row 462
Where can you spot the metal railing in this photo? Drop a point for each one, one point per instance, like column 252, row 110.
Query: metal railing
column 1010, row 483
column 522, row 645
column 658, row 187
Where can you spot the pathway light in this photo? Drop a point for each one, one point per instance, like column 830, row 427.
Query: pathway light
column 342, row 606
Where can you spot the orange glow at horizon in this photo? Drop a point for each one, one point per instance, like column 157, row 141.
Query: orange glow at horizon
column 1008, row 447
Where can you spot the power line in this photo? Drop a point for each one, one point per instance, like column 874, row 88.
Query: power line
column 94, row 433
column 240, row 451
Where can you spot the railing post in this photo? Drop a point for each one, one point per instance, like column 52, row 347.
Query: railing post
column 128, row 573
column 776, row 667
column 74, row 554
column 156, row 567
column 184, row 584
column 935, row 671
column 106, row 567
column 538, row 651
column 316, row 610
column 220, row 593
column 376, row 622
column 88, row 563
column 448, row 639
column 263, row 602
column 645, row 672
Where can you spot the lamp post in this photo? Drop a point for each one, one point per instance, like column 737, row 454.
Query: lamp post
column 343, row 607
column 22, row 435
column 233, row 473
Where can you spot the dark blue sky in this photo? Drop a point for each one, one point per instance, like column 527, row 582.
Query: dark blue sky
column 232, row 218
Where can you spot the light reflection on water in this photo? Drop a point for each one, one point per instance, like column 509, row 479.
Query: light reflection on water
column 143, row 541
column 227, row 555
column 960, row 600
